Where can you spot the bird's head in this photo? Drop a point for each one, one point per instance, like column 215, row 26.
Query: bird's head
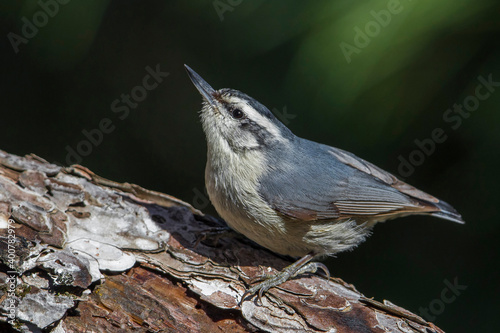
column 236, row 121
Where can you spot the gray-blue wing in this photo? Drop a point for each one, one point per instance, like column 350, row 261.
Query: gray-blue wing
column 320, row 182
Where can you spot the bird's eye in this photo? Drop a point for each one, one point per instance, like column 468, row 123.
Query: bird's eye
column 237, row 113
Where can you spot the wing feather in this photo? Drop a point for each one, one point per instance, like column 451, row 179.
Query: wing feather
column 329, row 183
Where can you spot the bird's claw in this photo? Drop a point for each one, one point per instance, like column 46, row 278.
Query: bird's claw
column 214, row 234
column 283, row 276
column 313, row 268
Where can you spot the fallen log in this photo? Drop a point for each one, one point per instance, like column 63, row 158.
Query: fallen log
column 81, row 253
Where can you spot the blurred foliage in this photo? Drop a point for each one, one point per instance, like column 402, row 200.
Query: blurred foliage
column 395, row 89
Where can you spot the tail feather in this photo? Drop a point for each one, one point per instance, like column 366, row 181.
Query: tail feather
column 447, row 212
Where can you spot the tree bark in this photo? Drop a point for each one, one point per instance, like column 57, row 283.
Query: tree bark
column 81, row 253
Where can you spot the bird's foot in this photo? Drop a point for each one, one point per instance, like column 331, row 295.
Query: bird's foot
column 312, row 268
column 301, row 266
column 213, row 235
column 218, row 229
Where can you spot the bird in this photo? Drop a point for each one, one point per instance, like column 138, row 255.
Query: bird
column 293, row 196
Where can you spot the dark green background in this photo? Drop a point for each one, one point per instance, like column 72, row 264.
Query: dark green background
column 287, row 55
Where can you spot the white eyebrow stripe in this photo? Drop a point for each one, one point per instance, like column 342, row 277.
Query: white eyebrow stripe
column 258, row 118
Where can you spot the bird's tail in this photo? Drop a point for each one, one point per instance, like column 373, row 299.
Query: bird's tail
column 447, row 212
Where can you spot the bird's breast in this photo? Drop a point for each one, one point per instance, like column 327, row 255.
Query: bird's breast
column 232, row 186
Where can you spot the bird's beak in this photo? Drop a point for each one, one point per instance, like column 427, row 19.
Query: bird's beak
column 203, row 87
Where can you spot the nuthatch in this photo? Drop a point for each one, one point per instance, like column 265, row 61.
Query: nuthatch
column 291, row 195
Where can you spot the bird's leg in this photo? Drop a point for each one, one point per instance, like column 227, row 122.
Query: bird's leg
column 218, row 229
column 214, row 235
column 301, row 266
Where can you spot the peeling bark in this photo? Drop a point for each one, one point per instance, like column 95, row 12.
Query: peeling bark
column 89, row 254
